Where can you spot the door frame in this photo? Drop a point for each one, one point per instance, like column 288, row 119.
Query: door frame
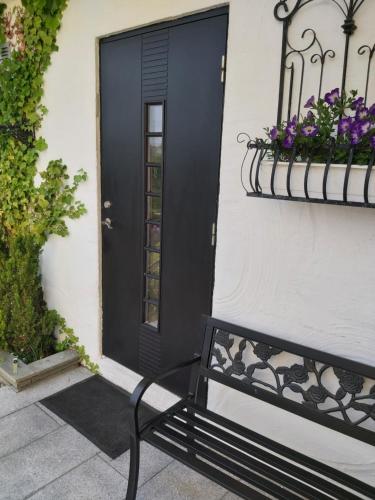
column 131, row 32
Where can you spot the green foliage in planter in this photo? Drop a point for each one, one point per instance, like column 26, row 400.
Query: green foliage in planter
column 25, row 321
column 33, row 204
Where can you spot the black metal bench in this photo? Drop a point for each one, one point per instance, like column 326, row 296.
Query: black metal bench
column 243, row 461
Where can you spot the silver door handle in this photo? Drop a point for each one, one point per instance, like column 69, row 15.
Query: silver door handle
column 107, row 223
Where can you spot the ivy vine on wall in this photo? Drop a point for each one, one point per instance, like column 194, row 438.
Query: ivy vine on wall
column 33, row 205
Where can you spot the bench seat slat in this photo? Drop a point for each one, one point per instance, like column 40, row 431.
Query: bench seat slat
column 300, row 458
column 232, row 468
column 203, row 468
column 309, row 480
column 263, row 469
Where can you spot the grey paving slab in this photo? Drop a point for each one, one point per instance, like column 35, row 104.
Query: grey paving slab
column 178, row 482
column 231, row 496
column 92, row 480
column 152, row 462
column 50, row 413
column 11, row 401
column 42, row 461
column 22, row 427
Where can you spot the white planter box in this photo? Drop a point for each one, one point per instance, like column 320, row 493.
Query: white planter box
column 335, row 181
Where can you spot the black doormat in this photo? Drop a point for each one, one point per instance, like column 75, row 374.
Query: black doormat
column 98, row 410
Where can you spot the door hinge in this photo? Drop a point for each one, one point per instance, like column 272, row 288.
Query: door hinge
column 223, row 68
column 213, row 234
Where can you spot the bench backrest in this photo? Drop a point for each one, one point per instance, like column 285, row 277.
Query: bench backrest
column 333, row 391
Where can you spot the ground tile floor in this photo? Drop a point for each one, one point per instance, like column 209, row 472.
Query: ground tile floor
column 43, row 458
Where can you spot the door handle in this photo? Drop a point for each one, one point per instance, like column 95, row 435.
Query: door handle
column 107, row 223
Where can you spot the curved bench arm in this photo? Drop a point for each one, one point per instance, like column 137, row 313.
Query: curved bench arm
column 144, row 384
column 134, row 403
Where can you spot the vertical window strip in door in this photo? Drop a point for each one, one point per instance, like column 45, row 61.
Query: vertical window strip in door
column 154, row 90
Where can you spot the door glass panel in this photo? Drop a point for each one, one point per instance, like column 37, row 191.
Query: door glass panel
column 153, row 236
column 155, row 118
column 153, row 207
column 153, row 179
column 152, row 289
column 152, row 314
column 153, row 263
column 153, row 142
column 154, row 149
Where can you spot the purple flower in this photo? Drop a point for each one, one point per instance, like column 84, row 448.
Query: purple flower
column 355, row 138
column 288, row 142
column 372, row 141
column 358, row 130
column 310, row 103
column 310, row 116
column 371, row 111
column 331, row 97
column 310, row 130
column 274, row 134
column 291, row 128
column 362, row 113
column 364, row 127
column 358, row 103
column 344, row 125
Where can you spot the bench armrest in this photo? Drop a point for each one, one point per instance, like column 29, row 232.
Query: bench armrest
column 144, row 384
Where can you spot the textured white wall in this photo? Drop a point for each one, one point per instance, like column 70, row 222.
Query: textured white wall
column 298, row 271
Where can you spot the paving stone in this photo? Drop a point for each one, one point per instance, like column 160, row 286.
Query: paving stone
column 11, row 401
column 22, row 427
column 50, row 413
column 231, row 496
column 152, row 462
column 30, row 468
column 178, row 482
column 93, row 480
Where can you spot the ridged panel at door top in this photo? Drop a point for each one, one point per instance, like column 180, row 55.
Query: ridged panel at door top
column 155, row 48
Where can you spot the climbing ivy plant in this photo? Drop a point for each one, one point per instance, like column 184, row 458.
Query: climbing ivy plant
column 34, row 204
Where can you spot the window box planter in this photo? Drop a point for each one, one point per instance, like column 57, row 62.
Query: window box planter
column 313, row 188
column 38, row 370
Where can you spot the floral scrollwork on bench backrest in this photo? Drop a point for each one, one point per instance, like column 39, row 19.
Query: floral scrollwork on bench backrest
column 319, row 387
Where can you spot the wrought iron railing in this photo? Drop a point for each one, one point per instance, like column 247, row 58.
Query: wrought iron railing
column 295, row 63
column 257, row 151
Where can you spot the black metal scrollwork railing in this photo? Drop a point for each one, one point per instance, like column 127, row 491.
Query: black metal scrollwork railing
column 257, row 151
column 291, row 92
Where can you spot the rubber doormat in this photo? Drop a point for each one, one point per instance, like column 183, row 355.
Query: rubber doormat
column 98, row 410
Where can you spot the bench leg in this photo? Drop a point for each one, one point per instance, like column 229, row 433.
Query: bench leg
column 134, row 468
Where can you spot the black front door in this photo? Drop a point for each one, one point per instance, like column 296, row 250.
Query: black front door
column 161, row 116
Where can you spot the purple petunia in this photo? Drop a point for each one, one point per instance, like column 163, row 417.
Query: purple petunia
column 310, row 116
column 371, row 110
column 310, row 130
column 331, row 97
column 362, row 113
column 358, row 103
column 310, row 103
column 364, row 127
column 358, row 130
column 372, row 141
column 344, row 125
column 291, row 128
column 274, row 134
column 288, row 142
column 355, row 138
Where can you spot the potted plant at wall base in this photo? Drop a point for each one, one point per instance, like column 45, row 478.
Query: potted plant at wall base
column 33, row 204
column 337, row 136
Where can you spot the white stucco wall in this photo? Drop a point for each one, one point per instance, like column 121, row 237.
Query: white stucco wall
column 298, row 271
